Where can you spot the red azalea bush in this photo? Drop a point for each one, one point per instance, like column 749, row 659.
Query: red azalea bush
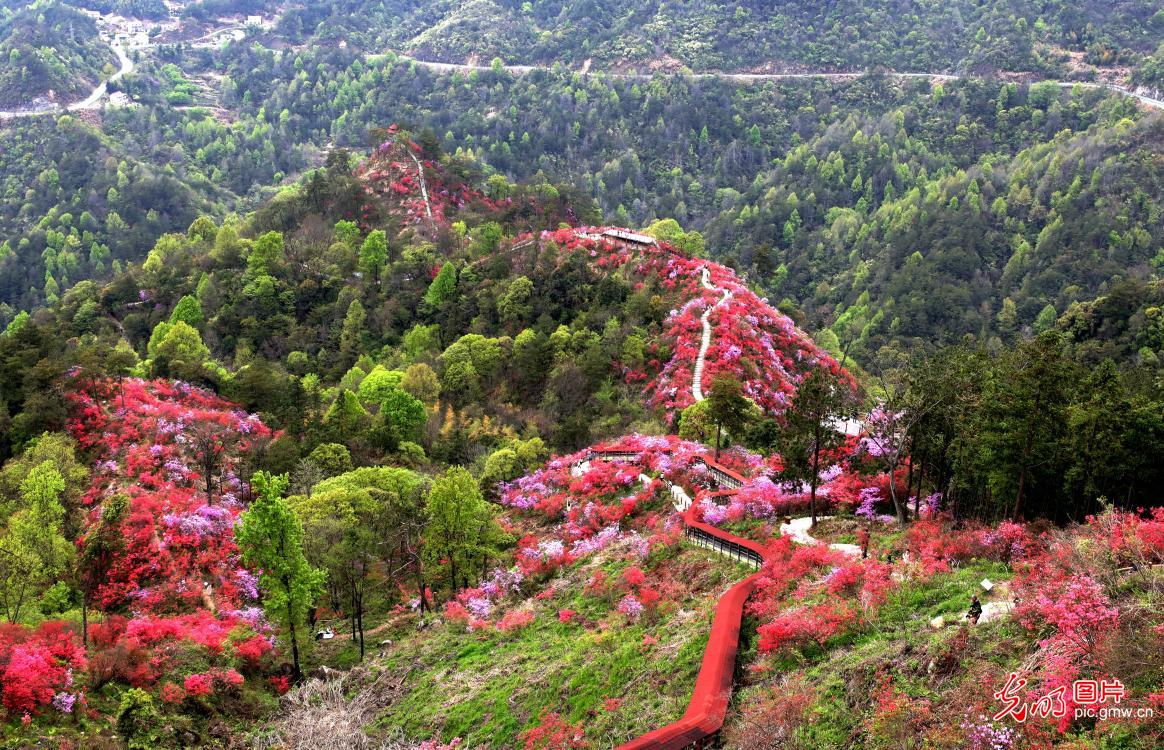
column 38, row 665
column 392, row 177
column 175, row 594
column 515, row 620
column 808, row 594
column 552, row 732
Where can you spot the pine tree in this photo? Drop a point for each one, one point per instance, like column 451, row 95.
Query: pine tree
column 443, row 286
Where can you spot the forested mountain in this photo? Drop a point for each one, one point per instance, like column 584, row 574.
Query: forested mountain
column 79, row 206
column 395, row 343
column 671, row 147
column 960, row 36
column 50, row 52
column 994, row 250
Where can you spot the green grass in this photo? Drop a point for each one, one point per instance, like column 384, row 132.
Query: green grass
column 488, row 687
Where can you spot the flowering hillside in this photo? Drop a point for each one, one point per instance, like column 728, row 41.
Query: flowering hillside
column 174, row 610
column 400, row 181
column 1069, row 609
column 750, row 340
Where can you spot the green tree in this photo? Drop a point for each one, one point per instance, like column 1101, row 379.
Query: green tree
column 421, row 381
column 347, row 232
column 188, row 311
column 458, row 524
column 266, row 253
column 668, row 230
column 810, row 432
column 351, row 335
column 180, row 353
column 513, row 307
column 332, row 459
column 373, row 253
column 270, row 538
column 1024, row 422
column 100, row 547
column 421, row 340
column 33, row 551
column 346, row 418
column 401, row 417
column 443, row 287
column 377, row 383
column 728, row 408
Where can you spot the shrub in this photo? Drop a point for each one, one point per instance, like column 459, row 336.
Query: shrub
column 137, row 716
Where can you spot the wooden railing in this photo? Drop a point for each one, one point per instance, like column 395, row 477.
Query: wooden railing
column 735, row 551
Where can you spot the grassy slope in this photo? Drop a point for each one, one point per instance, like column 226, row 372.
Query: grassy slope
column 486, row 687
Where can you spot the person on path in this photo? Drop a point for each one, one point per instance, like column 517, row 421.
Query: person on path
column 975, row 610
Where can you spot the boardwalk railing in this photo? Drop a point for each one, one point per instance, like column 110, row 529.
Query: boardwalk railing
column 700, row 724
column 734, row 550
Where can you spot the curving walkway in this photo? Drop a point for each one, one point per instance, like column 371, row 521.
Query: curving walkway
column 798, row 529
column 705, row 343
column 707, row 709
column 423, row 186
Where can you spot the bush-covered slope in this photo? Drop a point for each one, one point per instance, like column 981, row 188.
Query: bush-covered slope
column 962, row 36
column 871, row 236
column 50, row 51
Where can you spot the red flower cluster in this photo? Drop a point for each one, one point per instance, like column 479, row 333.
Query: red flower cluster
column 552, row 732
column 175, row 582
column 395, row 173
column 38, row 665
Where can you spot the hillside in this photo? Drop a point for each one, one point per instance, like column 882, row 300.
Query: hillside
column 494, row 442
column 787, row 35
column 894, row 252
column 670, row 148
column 52, row 54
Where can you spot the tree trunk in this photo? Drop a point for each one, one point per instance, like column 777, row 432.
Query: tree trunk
column 899, row 508
column 1018, row 500
column 717, row 436
column 813, row 482
column 294, row 641
column 360, row 618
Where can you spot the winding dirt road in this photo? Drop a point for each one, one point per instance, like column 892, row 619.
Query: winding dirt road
column 92, row 101
column 755, row 77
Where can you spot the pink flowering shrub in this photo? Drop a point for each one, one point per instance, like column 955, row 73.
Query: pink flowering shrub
column 176, row 590
column 515, row 620
column 38, row 665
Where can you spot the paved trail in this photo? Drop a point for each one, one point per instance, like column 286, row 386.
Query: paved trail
column 705, row 343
